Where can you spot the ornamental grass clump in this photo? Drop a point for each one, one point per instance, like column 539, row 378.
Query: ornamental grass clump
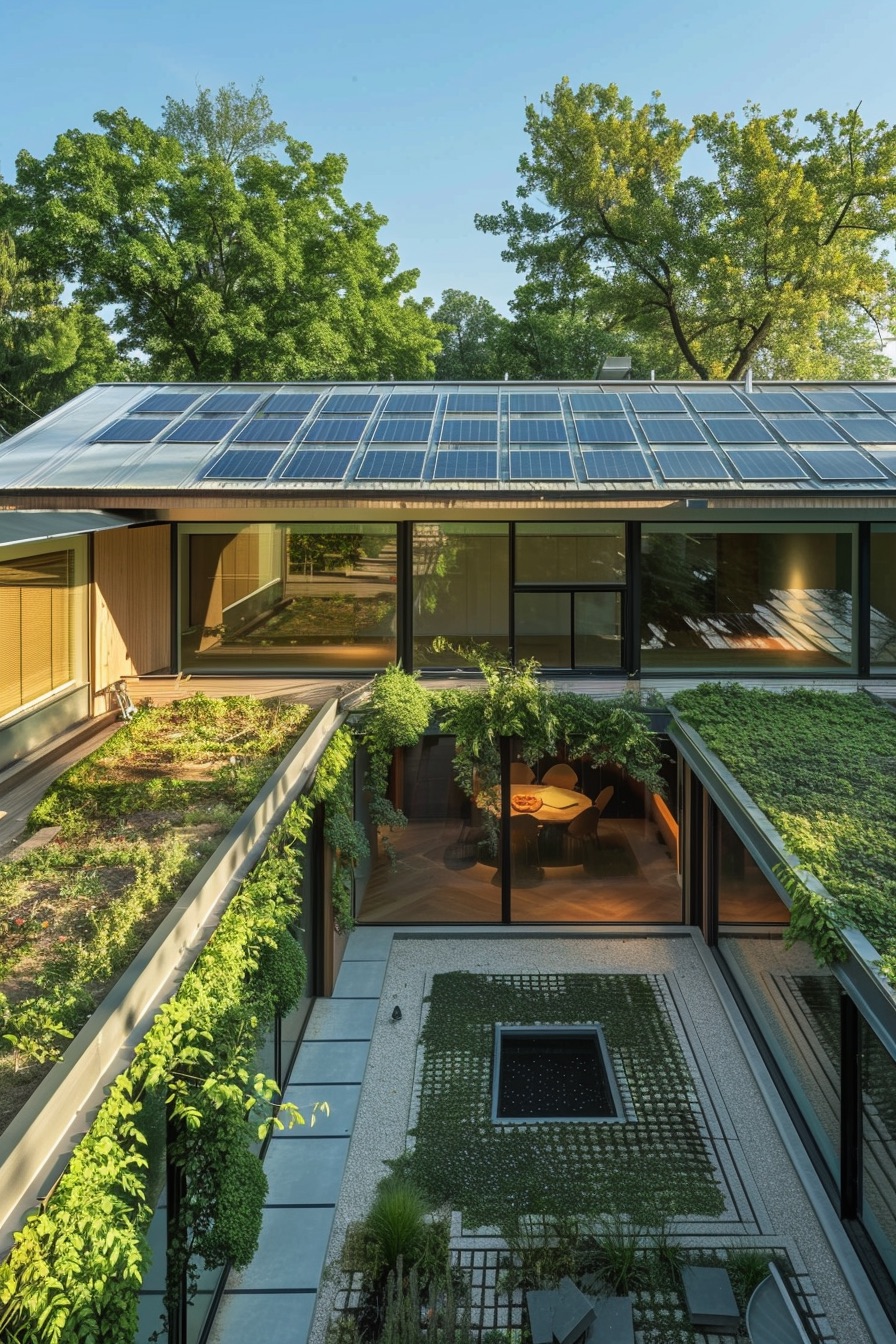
column 397, row 1221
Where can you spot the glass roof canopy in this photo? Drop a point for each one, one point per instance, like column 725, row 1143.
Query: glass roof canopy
column 501, row 438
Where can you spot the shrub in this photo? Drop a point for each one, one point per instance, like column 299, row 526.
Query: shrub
column 396, row 1221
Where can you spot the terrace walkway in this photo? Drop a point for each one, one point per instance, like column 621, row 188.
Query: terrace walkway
column 772, row 1197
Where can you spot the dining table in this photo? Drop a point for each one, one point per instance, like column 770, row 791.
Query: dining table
column 556, row 807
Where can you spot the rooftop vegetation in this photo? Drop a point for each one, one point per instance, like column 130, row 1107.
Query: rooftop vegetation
column 137, row 819
column 820, row 764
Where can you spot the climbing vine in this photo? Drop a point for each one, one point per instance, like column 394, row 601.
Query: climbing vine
column 513, row 702
column 74, row 1273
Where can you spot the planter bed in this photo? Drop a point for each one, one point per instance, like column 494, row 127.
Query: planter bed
column 137, row 819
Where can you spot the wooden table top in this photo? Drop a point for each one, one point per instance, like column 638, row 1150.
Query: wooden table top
column 560, row 805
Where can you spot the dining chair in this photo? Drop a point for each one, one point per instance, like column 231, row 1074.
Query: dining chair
column 562, row 776
column 521, row 773
column 525, row 867
column 580, row 840
column 603, row 798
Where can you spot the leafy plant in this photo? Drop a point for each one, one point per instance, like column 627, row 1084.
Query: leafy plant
column 748, row 1267
column 76, row 1267
column 820, row 766
column 618, row 1254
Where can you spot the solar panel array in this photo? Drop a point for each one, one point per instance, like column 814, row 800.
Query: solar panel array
column 568, row 437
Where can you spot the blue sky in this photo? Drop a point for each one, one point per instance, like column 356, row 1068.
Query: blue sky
column 427, row 101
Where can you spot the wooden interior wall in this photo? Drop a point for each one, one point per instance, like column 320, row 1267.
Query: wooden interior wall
column 132, row 605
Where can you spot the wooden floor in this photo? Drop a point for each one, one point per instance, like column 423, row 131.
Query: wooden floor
column 314, row 691
column 422, row 888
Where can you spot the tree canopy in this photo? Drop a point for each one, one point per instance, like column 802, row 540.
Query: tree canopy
column 49, row 350
column 777, row 261
column 223, row 248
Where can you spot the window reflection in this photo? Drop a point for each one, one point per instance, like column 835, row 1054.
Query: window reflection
column 289, row 595
column 460, row 587
column 737, row 599
column 883, row 597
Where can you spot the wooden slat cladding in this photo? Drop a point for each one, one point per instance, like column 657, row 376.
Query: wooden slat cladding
column 132, row 604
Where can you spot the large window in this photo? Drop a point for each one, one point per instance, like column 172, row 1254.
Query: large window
column 883, row 597
column 316, row 596
column 738, row 598
column 460, row 587
column 41, row 598
column 569, row 580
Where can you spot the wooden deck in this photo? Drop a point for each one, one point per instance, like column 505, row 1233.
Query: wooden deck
column 313, row 691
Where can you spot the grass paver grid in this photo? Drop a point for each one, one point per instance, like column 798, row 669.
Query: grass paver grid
column 653, row 1166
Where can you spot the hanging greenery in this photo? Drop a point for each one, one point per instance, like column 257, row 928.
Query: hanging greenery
column 74, row 1273
column 513, row 701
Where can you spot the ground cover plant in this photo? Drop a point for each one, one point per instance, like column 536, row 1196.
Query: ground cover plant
column 820, row 764
column 648, row 1169
column 138, row 818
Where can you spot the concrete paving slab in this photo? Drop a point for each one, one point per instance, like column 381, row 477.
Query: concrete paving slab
column 330, row 1062
column 342, row 1099
column 368, row 945
column 360, row 980
column 342, row 1020
column 284, row 1317
column 304, row 1173
column 290, row 1252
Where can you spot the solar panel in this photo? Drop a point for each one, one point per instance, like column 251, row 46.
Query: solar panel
column 655, row 401
column 715, row 403
column 466, row 464
column 806, row 429
column 766, row 464
column 614, row 429
column 537, row 431
column 200, row 429
column 870, row 429
column 595, row 401
column 416, row 403
column 884, row 401
column 777, row 401
column 535, row 401
column 544, row 465
column 166, row 403
column 836, row 401
column 335, row 431
column 739, row 429
column 131, row 431
column 394, row 465
column 270, row 429
column 347, row 403
column 470, row 431
column 679, row 430
column 230, row 401
column 841, row 464
column 700, row 465
column 402, row 431
column 290, row 403
column 887, row 456
column 317, row 464
column 243, row 464
column 625, row 464
column 472, row 403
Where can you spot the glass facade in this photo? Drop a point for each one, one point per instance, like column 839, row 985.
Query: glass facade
column 740, row 599
column 878, row 1075
column 271, row 595
column 42, row 616
column 591, row 553
column 883, row 598
column 460, row 587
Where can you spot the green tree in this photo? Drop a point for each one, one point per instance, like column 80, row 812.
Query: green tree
column 221, row 258
column 784, row 243
column 472, row 335
column 49, row 351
